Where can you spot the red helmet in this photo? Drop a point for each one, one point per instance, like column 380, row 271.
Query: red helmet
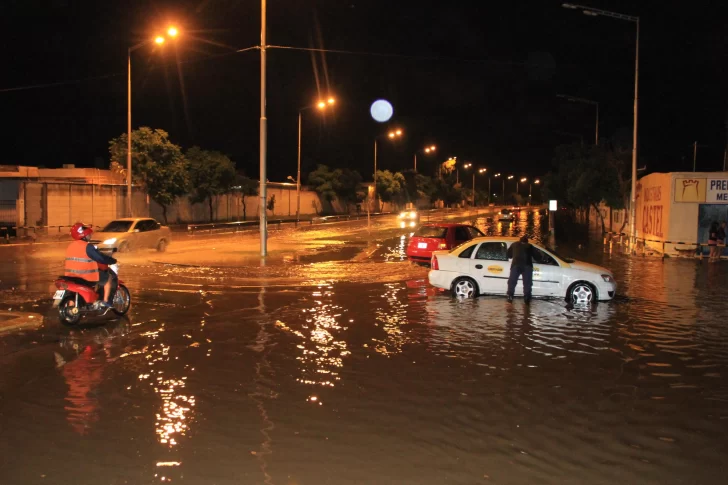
column 79, row 231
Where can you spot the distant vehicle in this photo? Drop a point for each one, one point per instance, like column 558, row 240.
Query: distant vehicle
column 432, row 237
column 408, row 218
column 506, row 215
column 123, row 235
column 482, row 267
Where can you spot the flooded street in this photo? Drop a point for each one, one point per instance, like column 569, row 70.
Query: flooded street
column 340, row 366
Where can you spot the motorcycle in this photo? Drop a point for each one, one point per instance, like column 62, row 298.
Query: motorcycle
column 77, row 298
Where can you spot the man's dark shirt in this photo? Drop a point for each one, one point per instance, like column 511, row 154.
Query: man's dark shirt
column 521, row 254
column 97, row 256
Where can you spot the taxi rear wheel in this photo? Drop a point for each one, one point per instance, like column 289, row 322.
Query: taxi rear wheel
column 465, row 288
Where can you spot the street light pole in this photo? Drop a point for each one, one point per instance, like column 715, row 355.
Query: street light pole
column 171, row 32
column 263, row 135
column 129, row 210
column 321, row 105
column 298, row 177
column 636, row 20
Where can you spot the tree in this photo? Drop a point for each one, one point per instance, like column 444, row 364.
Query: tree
column 447, row 190
column 211, row 173
column 157, row 163
column 584, row 177
column 390, row 186
column 417, row 186
column 322, row 181
column 346, row 184
column 247, row 187
column 271, row 205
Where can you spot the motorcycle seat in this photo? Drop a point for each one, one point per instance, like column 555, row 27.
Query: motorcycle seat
column 78, row 281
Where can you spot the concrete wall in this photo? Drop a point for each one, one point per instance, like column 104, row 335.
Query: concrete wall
column 51, row 207
column 229, row 207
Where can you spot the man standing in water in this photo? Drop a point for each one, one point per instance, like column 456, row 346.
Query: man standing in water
column 521, row 255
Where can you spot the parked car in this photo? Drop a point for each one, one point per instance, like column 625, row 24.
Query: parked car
column 132, row 233
column 506, row 215
column 431, row 237
column 482, row 267
column 408, row 218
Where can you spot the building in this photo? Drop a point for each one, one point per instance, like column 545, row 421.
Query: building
column 41, row 201
column 674, row 208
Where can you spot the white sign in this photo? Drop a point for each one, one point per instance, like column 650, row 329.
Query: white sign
column 552, row 205
column 717, row 191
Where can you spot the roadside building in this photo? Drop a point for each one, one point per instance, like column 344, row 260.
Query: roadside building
column 674, row 210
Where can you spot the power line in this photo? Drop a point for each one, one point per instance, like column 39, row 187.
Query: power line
column 389, row 54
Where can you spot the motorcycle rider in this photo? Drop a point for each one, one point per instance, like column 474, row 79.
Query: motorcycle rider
column 82, row 260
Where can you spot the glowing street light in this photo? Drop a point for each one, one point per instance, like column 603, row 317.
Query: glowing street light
column 321, row 105
column 427, row 150
column 159, row 40
column 530, row 186
column 396, row 133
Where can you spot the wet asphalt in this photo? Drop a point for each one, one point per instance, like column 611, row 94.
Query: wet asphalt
column 335, row 362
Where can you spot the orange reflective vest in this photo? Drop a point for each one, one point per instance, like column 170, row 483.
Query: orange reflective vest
column 78, row 263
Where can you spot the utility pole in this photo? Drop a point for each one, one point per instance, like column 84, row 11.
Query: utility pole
column 263, row 137
column 695, row 154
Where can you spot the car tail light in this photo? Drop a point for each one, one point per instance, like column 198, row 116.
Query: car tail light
column 442, row 245
column 434, row 265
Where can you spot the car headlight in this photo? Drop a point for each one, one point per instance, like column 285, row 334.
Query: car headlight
column 413, row 215
column 111, row 240
column 607, row 278
column 402, row 215
column 412, row 224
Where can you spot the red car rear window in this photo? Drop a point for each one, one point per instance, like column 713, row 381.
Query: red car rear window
column 429, row 231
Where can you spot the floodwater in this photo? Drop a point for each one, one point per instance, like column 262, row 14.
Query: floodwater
column 344, row 372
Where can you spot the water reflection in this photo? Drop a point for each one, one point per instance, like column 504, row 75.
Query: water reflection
column 322, row 346
column 391, row 316
column 176, row 412
column 85, row 353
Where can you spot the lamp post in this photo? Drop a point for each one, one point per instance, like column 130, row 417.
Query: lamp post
column 321, row 105
column 427, row 150
column 593, row 12
column 172, row 32
column 482, row 170
column 586, row 101
column 524, row 179
column 504, row 188
column 465, row 167
column 530, row 186
column 393, row 134
column 263, row 135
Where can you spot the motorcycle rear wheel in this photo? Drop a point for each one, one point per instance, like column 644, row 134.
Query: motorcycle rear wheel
column 65, row 308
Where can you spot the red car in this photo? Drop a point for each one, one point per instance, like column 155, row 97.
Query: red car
column 435, row 237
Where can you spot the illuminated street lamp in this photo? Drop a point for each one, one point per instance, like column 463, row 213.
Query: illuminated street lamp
column 524, row 179
column 396, row 133
column 530, row 186
column 504, row 188
column 321, row 105
column 594, row 12
column 172, row 32
column 427, row 150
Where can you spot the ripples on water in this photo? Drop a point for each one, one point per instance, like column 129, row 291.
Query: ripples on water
column 385, row 381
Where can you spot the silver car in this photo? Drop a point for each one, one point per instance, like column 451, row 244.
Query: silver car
column 123, row 235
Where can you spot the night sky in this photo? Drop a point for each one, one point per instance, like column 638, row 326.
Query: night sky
column 480, row 83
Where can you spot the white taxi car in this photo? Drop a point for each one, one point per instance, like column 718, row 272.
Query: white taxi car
column 481, row 266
